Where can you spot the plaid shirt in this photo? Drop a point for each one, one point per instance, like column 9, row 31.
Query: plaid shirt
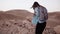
column 40, row 16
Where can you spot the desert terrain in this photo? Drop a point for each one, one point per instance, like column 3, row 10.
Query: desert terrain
column 19, row 22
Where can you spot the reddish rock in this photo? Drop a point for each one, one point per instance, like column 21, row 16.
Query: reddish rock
column 57, row 29
column 19, row 22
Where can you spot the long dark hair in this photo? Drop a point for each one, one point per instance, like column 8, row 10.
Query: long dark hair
column 36, row 4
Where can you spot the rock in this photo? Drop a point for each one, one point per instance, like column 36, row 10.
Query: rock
column 19, row 22
column 57, row 29
column 49, row 30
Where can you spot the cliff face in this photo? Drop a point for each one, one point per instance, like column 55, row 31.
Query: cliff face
column 19, row 22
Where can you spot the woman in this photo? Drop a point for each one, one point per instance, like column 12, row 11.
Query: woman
column 39, row 18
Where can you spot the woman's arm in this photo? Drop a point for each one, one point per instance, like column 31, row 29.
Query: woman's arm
column 46, row 13
column 36, row 12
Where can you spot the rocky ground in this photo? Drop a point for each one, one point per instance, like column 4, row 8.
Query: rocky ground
column 19, row 22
